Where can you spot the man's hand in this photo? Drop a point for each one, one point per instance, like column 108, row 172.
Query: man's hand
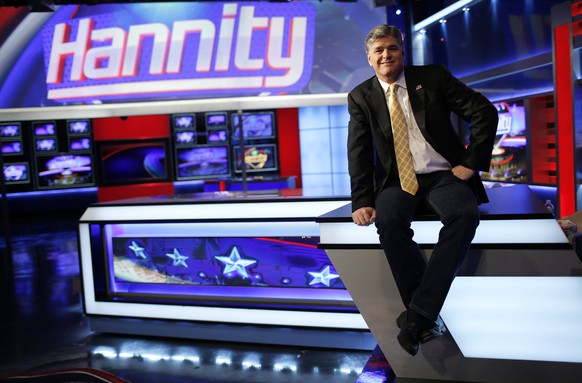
column 364, row 216
column 462, row 172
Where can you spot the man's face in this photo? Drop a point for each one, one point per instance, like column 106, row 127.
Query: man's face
column 386, row 56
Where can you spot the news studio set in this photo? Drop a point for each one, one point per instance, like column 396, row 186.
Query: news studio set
column 176, row 197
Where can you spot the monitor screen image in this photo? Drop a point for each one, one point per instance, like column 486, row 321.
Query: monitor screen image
column 258, row 158
column 183, row 121
column 509, row 156
column 133, row 162
column 44, row 128
column 16, row 173
column 185, row 137
column 11, row 129
column 217, row 136
column 63, row 170
column 75, row 127
column 79, row 143
column 216, row 120
column 202, row 162
column 45, row 144
column 12, row 148
column 255, row 125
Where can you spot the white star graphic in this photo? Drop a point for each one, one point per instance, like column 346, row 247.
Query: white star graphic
column 179, row 259
column 322, row 277
column 138, row 251
column 235, row 263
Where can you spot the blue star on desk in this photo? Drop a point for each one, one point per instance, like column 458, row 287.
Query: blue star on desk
column 179, row 259
column 234, row 262
column 324, row 276
column 137, row 250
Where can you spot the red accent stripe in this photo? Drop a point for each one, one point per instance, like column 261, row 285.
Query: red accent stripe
column 131, row 128
column 564, row 120
column 113, row 193
column 288, row 242
column 577, row 8
column 288, row 140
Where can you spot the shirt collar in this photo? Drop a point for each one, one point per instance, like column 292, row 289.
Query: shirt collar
column 401, row 81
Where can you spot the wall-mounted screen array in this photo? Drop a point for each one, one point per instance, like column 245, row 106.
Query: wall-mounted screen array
column 206, row 145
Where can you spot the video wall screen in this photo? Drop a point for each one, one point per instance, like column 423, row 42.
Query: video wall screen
column 130, row 162
column 509, row 162
column 16, row 173
column 61, row 170
column 10, row 130
column 205, row 161
column 257, row 158
column 254, row 125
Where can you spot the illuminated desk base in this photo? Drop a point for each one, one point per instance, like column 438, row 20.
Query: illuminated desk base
column 514, row 314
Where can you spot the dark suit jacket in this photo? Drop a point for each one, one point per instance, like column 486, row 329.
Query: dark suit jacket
column 434, row 93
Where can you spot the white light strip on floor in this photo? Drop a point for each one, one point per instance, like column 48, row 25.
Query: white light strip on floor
column 519, row 318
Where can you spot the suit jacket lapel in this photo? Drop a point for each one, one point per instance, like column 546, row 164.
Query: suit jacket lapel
column 416, row 96
column 377, row 100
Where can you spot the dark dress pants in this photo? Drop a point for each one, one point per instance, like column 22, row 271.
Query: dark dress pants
column 424, row 286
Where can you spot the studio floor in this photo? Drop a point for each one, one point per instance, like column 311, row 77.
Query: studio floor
column 42, row 327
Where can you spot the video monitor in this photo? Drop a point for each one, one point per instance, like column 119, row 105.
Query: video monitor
column 10, row 129
column 63, row 171
column 509, row 156
column 131, row 162
column 17, row 173
column 44, row 128
column 12, row 148
column 184, row 121
column 78, row 127
column 45, row 144
column 216, row 120
column 258, row 158
column 255, row 125
column 185, row 137
column 214, row 136
column 79, row 143
column 204, row 161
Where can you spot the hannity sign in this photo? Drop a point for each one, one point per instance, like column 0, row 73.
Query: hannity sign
column 226, row 48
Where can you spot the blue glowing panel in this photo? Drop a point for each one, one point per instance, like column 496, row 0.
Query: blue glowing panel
column 219, row 261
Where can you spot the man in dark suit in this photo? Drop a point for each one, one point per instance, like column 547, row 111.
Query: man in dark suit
column 446, row 173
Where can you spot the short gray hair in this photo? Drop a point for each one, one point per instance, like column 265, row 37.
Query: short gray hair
column 381, row 31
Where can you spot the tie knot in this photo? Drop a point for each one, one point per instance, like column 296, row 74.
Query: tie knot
column 393, row 88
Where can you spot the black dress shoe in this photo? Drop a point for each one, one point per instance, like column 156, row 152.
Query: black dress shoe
column 427, row 335
column 414, row 330
column 408, row 336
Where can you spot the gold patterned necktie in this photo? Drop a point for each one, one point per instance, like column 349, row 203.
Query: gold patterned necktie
column 408, row 180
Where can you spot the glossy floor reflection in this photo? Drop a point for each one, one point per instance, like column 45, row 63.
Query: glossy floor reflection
column 42, row 328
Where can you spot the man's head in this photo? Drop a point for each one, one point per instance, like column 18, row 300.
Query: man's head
column 385, row 51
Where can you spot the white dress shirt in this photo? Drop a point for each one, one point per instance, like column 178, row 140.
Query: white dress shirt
column 425, row 158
